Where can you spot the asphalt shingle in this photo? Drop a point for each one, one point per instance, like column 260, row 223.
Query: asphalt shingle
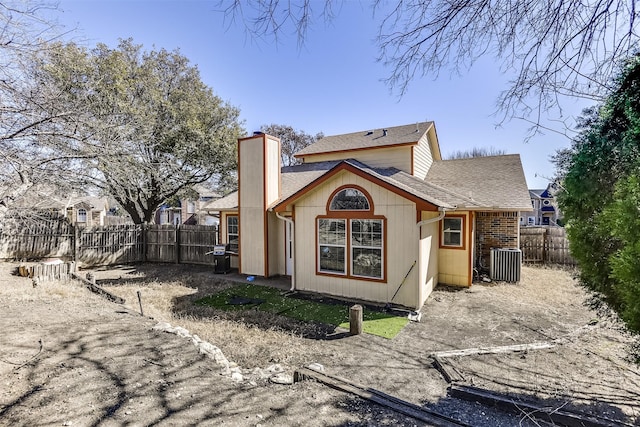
column 374, row 138
column 493, row 182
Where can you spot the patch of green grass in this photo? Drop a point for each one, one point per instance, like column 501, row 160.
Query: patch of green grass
column 374, row 322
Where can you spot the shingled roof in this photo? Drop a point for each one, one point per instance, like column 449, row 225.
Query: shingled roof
column 227, row 203
column 480, row 183
column 294, row 178
column 493, row 182
column 374, row 138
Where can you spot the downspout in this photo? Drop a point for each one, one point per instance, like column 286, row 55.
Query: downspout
column 293, row 247
column 443, row 212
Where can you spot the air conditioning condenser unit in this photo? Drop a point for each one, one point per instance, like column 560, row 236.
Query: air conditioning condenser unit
column 505, row 264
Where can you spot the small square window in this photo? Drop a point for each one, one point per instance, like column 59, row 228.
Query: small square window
column 452, row 232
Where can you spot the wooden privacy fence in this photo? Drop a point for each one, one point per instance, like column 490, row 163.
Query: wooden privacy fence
column 108, row 245
column 186, row 244
column 113, row 244
column 545, row 245
column 42, row 238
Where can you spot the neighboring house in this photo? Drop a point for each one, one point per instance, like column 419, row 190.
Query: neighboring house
column 544, row 209
column 190, row 211
column 168, row 215
column 87, row 211
column 374, row 215
column 193, row 211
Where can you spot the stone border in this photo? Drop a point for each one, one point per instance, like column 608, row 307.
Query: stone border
column 275, row 373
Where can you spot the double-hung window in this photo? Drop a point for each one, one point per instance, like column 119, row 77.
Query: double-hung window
column 332, row 240
column 233, row 233
column 366, row 247
column 350, row 237
column 82, row 215
column 452, row 228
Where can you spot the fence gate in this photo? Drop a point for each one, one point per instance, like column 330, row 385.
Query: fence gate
column 545, row 245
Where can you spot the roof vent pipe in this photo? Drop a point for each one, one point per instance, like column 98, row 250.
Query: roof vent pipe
column 384, row 132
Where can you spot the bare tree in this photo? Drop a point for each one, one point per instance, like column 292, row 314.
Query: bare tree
column 476, row 152
column 555, row 48
column 149, row 127
column 29, row 112
column 291, row 141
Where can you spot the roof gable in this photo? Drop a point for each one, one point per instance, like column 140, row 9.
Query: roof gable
column 386, row 180
column 370, row 139
column 484, row 183
column 546, row 194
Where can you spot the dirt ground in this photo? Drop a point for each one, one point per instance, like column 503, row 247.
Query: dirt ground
column 70, row 357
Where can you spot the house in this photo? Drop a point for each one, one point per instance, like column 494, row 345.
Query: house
column 86, row 211
column 167, row 214
column 544, row 209
column 193, row 210
column 374, row 215
column 190, row 210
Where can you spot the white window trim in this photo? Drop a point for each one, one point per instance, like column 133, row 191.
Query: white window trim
column 460, row 232
column 82, row 212
column 236, row 234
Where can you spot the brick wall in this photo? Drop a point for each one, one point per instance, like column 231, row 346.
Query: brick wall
column 496, row 230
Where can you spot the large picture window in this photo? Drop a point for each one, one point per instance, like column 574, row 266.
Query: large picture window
column 233, row 234
column 350, row 238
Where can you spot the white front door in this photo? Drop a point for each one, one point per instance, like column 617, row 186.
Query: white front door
column 289, row 248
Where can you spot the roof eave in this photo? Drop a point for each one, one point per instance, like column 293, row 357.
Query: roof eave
column 349, row 150
column 421, row 203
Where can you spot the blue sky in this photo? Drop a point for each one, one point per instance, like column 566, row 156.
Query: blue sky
column 332, row 84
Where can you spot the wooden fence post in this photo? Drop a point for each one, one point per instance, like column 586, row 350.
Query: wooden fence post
column 145, row 230
column 177, row 234
column 140, row 302
column 355, row 320
column 76, row 242
column 545, row 247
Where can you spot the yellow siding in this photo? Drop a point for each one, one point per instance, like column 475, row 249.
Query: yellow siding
column 454, row 265
column 251, row 173
column 428, row 256
column 252, row 244
column 276, row 245
column 401, row 245
column 273, row 170
column 251, row 202
column 396, row 157
column 422, row 157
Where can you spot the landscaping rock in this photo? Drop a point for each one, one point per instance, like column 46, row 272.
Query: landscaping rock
column 282, row 378
column 277, row 368
column 316, row 367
